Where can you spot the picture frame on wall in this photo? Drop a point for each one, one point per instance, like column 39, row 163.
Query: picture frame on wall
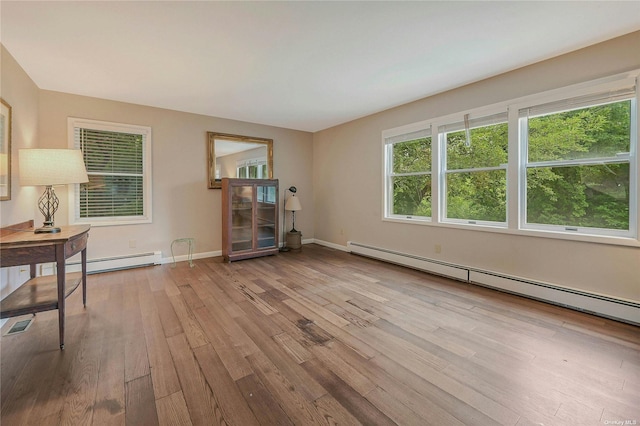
column 5, row 150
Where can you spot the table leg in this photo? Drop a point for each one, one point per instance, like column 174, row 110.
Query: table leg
column 84, row 277
column 60, row 262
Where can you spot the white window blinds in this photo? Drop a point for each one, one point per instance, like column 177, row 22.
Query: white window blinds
column 115, row 165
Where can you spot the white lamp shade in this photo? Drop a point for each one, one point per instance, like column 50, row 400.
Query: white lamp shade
column 51, row 167
column 293, row 204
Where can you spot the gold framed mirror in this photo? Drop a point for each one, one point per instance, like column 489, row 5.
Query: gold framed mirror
column 237, row 156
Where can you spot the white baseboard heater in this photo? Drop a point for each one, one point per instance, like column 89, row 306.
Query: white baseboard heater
column 117, row 262
column 605, row 306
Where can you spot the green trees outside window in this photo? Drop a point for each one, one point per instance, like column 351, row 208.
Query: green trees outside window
column 578, row 167
column 575, row 172
column 411, row 177
column 476, row 174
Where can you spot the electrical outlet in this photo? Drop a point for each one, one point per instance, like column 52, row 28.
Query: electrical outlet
column 438, row 248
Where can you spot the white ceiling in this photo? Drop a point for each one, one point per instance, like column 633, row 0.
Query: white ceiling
column 299, row 65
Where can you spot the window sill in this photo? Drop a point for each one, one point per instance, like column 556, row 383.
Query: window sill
column 98, row 223
column 537, row 233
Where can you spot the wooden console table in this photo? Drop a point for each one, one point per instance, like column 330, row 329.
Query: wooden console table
column 24, row 247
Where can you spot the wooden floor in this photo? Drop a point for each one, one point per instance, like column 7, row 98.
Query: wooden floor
column 315, row 337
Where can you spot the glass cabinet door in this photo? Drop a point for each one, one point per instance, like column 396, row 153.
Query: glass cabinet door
column 249, row 218
column 241, row 218
column 266, row 215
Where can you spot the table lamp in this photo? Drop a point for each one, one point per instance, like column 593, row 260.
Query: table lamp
column 293, row 205
column 49, row 167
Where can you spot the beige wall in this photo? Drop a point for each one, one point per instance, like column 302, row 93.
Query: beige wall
column 182, row 204
column 348, row 178
column 19, row 91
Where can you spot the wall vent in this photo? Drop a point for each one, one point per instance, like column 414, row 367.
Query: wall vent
column 20, row 326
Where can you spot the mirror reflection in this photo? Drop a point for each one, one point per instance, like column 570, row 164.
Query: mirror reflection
column 237, row 156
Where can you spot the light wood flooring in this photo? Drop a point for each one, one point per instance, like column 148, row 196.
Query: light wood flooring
column 315, row 337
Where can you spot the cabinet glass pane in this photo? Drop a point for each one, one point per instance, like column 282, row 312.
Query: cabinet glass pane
column 241, row 225
column 266, row 216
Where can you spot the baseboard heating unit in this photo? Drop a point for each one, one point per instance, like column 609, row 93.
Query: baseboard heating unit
column 117, row 262
column 605, row 306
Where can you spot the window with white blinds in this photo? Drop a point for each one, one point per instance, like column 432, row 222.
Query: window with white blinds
column 117, row 161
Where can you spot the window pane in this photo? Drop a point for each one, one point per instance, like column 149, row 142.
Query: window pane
column 271, row 194
column 412, row 195
column 111, row 196
column 242, row 220
column 594, row 132
column 488, row 147
column 585, row 196
column 477, row 195
column 412, row 156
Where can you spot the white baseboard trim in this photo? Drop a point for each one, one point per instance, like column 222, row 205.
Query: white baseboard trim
column 592, row 303
column 112, row 263
column 415, row 262
column 598, row 304
column 185, row 257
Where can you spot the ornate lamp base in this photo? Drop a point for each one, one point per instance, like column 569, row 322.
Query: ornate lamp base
column 48, row 205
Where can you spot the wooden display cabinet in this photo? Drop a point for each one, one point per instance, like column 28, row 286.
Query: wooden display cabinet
column 249, row 218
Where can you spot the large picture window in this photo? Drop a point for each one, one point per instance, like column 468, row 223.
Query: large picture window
column 578, row 163
column 117, row 158
column 475, row 169
column 561, row 164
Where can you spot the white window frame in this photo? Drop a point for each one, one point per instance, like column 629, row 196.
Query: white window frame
column 145, row 131
column 516, row 180
column 475, row 121
column 569, row 98
column 399, row 135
